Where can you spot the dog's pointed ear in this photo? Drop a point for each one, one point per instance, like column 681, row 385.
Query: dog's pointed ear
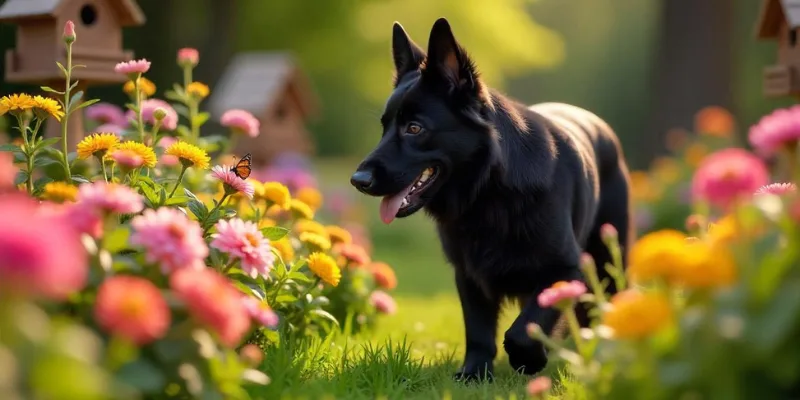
column 406, row 54
column 448, row 60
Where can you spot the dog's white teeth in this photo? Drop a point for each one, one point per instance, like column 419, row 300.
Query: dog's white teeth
column 405, row 202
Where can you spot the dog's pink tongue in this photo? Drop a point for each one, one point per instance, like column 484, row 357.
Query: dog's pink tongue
column 391, row 204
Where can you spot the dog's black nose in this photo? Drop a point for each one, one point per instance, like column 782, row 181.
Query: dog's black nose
column 361, row 179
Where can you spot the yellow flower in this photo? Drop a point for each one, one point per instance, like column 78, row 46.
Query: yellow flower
column 339, row 234
column 324, row 267
column 695, row 154
column 642, row 188
column 658, row 255
column 96, row 145
column 266, row 223
column 312, row 197
column 666, row 170
column 60, row 192
column 148, row 155
column 636, row 315
column 146, row 86
column 300, row 209
column 284, row 249
column 189, row 154
column 48, row 106
column 309, row 225
column 314, row 241
column 16, row 102
column 714, row 265
column 197, row 90
column 275, row 193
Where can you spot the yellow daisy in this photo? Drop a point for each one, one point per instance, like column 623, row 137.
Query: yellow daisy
column 266, row 223
column 189, row 154
column 314, row 241
column 16, row 102
column 147, row 153
column 309, row 225
column 312, row 197
column 96, row 145
column 197, row 90
column 339, row 234
column 47, row 106
column 284, row 249
column 60, row 192
column 300, row 209
column 324, row 267
column 275, row 193
column 146, row 86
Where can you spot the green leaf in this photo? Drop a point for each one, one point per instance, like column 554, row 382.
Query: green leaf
column 162, row 197
column 75, row 99
column 274, row 232
column 73, row 85
column 201, row 118
column 80, row 179
column 183, row 131
column 85, row 104
column 285, row 298
column 10, row 148
column 116, row 240
column 299, row 277
column 46, row 143
column 21, row 177
column 142, row 375
column 61, row 67
column 149, row 193
column 189, row 194
column 51, row 90
column 44, row 161
column 198, row 208
column 177, row 200
column 326, row 315
column 181, row 109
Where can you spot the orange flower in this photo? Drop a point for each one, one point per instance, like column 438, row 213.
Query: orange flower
column 351, row 254
column 384, row 275
column 132, row 308
column 714, row 121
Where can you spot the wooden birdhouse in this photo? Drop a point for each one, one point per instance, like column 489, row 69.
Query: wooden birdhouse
column 779, row 20
column 272, row 87
column 39, row 43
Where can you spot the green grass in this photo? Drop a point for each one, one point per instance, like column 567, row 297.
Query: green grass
column 410, row 355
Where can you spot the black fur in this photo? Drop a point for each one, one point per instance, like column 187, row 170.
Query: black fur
column 519, row 191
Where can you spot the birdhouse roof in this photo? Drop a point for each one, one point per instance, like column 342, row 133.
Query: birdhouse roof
column 15, row 10
column 253, row 81
column 775, row 12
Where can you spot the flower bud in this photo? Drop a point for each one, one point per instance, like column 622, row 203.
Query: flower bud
column 695, row 223
column 587, row 261
column 188, row 57
column 251, row 354
column 159, row 114
column 608, row 233
column 69, row 32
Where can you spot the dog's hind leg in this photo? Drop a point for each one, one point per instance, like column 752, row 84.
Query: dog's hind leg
column 480, row 325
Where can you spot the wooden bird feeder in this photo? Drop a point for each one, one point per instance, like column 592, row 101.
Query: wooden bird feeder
column 39, row 45
column 272, row 87
column 779, row 20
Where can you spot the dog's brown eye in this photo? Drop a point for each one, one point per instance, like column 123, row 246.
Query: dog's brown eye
column 413, row 128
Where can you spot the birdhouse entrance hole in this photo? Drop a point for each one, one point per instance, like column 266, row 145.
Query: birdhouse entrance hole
column 88, row 15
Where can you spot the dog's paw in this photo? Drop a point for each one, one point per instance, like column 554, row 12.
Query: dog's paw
column 469, row 374
column 526, row 356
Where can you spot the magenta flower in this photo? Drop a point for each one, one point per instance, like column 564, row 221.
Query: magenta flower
column 539, row 386
column 133, row 67
column 188, row 56
column 84, row 219
column 232, row 182
column 777, row 189
column 383, row 302
column 166, row 159
column 110, row 128
column 241, row 121
column 243, row 241
column 560, row 291
column 169, row 239
column 727, row 175
column 149, row 106
column 109, row 198
column 260, row 312
column 106, row 113
column 40, row 255
column 779, row 129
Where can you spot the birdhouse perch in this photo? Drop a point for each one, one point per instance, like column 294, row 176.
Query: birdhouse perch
column 779, row 20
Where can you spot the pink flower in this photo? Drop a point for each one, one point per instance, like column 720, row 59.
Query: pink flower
column 149, row 106
column 105, row 113
column 109, row 198
column 110, row 128
column 69, row 32
column 727, row 175
column 777, row 189
column 232, row 182
column 166, row 159
column 170, row 239
column 40, row 255
column 132, row 308
column 559, row 292
column 127, row 159
column 213, row 301
column 608, row 233
column 243, row 241
column 188, row 56
column 84, row 219
column 241, row 121
column 133, row 67
column 383, row 302
column 260, row 311
column 539, row 386
column 776, row 130
column 8, row 171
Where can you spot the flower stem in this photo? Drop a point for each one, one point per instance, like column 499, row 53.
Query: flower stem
column 103, row 166
column 311, row 287
column 575, row 329
column 67, row 112
column 139, row 108
column 31, row 147
column 228, row 267
column 178, row 183
column 213, row 210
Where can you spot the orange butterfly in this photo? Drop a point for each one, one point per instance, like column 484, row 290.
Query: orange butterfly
column 242, row 168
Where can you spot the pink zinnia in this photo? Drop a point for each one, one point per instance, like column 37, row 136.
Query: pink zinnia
column 727, row 175
column 133, row 67
column 127, row 159
column 149, row 106
column 383, row 302
column 241, row 121
column 166, row 159
column 132, row 308
column 8, row 171
column 188, row 56
column 560, row 291
column 105, row 113
column 170, row 239
column 243, row 241
column 232, row 182
column 539, row 386
column 777, row 188
column 213, row 301
column 110, row 128
column 354, row 254
column 40, row 255
column 110, row 198
column 84, row 219
column 260, row 311
column 779, row 129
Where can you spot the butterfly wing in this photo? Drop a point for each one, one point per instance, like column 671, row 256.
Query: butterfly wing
column 242, row 168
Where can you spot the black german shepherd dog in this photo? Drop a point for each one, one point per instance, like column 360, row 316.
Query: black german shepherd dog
column 517, row 192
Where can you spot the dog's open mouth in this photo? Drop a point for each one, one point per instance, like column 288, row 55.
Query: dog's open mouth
column 407, row 201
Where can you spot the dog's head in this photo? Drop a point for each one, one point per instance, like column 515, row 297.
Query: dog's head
column 434, row 124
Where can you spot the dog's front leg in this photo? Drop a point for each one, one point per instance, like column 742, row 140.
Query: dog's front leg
column 480, row 324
